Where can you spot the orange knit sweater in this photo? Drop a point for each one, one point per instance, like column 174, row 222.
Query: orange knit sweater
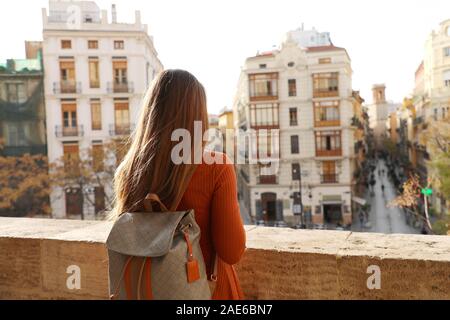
column 212, row 193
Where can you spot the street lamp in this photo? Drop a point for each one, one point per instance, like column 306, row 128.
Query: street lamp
column 298, row 203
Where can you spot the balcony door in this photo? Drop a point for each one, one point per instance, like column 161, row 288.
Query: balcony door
column 122, row 118
column 68, row 76
column 69, row 119
column 329, row 172
column 74, row 202
column 269, row 206
column 120, row 68
column 67, row 71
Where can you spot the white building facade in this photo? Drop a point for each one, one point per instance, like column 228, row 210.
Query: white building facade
column 304, row 94
column 96, row 73
column 431, row 99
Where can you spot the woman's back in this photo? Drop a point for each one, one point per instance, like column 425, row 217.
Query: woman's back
column 212, row 193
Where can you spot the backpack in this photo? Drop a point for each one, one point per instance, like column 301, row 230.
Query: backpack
column 157, row 256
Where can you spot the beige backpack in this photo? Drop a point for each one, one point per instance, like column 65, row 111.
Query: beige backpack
column 157, row 256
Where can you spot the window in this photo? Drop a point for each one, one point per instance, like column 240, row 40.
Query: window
column 98, row 157
column 329, row 172
column 120, row 68
column 67, row 76
column 122, row 118
column 263, row 86
column 328, row 143
column 295, row 146
column 96, row 115
column 69, row 113
column 94, row 73
column 447, row 52
column 67, row 69
column 264, row 115
column 92, row 44
column 16, row 92
column 71, row 157
column 263, row 66
column 326, row 113
column 119, row 45
column 15, row 135
column 266, row 145
column 324, row 60
column 121, row 151
column 296, row 173
column 326, row 84
column 291, row 64
column 66, row 44
column 293, row 117
column 292, row 83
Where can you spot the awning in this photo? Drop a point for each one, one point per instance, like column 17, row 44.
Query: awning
column 359, row 201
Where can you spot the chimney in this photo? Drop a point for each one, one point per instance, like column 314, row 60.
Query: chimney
column 137, row 17
column 114, row 13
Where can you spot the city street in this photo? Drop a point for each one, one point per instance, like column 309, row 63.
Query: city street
column 381, row 218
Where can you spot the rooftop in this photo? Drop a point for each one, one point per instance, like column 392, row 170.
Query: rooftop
column 86, row 15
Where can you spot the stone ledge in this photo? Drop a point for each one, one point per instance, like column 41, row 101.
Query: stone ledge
column 279, row 263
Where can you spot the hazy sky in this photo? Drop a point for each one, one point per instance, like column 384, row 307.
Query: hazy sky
column 212, row 38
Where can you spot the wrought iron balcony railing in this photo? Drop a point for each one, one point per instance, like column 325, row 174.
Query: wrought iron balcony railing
column 67, row 87
column 63, row 132
column 330, row 178
column 120, row 130
column 122, row 87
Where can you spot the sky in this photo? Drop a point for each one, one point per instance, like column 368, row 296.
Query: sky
column 212, row 38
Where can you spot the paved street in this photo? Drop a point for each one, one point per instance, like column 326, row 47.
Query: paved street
column 383, row 219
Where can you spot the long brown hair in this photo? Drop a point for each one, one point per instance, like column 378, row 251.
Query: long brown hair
column 176, row 100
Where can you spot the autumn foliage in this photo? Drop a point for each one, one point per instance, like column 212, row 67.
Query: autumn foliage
column 24, row 186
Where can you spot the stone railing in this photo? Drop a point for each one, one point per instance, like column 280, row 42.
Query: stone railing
column 36, row 256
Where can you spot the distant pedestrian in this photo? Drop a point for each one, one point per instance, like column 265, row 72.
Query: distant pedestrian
column 382, row 188
column 361, row 218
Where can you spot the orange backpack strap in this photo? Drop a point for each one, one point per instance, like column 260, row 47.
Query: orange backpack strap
column 192, row 267
column 148, row 282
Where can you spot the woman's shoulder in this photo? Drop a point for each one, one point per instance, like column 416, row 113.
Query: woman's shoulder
column 217, row 162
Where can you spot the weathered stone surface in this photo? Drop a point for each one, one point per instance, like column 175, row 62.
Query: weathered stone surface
column 279, row 263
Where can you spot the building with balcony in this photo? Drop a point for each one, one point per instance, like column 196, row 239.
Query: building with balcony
column 96, row 72
column 431, row 101
column 298, row 114
column 22, row 108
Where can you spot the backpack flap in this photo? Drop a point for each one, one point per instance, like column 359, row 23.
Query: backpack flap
column 145, row 234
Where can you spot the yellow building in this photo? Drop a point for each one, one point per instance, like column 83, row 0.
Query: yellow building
column 226, row 126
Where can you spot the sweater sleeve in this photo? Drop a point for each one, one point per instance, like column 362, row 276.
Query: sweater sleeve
column 227, row 228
